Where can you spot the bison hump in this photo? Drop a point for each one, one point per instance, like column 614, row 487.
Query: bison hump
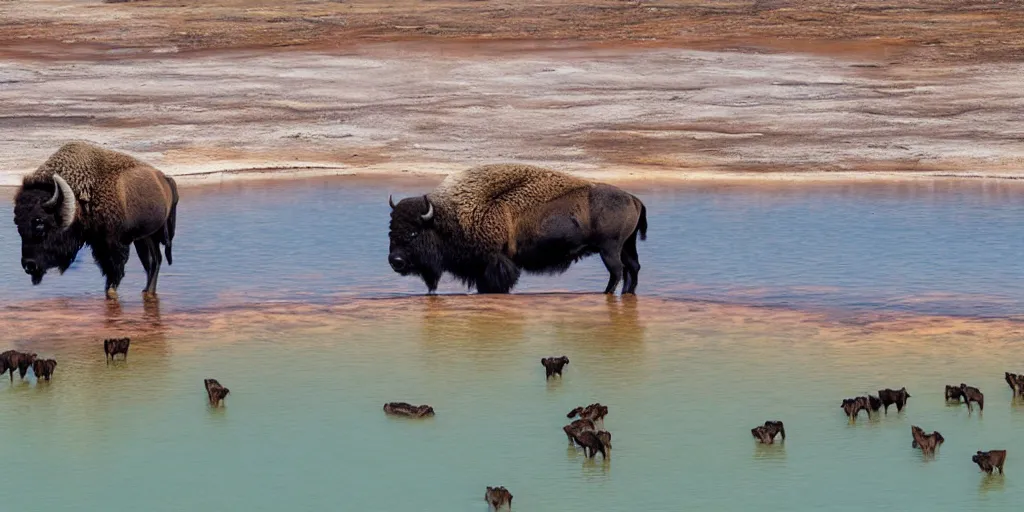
column 488, row 201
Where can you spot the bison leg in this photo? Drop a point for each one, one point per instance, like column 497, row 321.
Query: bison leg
column 148, row 250
column 631, row 260
column 499, row 276
column 613, row 263
column 111, row 256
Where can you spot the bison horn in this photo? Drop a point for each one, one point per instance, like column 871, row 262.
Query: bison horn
column 391, row 202
column 430, row 212
column 68, row 206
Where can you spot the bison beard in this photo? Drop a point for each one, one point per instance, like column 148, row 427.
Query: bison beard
column 488, row 224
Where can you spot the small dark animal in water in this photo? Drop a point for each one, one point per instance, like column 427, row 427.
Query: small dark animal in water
column 88, row 195
column 215, row 392
column 766, row 433
column 554, row 365
column 595, row 442
column 488, row 224
column 114, row 346
column 972, row 394
column 926, row 442
column 43, row 368
column 593, row 412
column 20, row 360
column 498, row 497
column 954, row 393
column 408, row 410
column 853, row 406
column 1016, row 383
column 573, row 429
column 893, row 396
column 990, row 460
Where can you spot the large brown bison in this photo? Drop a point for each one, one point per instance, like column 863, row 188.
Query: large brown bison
column 88, row 195
column 894, row 396
column 926, row 442
column 766, row 433
column 486, row 224
column 43, row 368
column 987, row 461
column 498, row 498
column 14, row 360
column 115, row 346
column 215, row 391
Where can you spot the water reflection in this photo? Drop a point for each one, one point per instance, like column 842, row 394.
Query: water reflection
column 771, row 452
column 995, row 482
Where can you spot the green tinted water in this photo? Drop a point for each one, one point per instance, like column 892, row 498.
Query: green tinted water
column 303, row 427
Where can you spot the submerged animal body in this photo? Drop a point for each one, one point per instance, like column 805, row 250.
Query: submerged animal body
column 954, row 393
column 926, row 442
column 498, row 497
column 87, row 195
column 987, row 461
column 487, row 224
column 766, row 433
column 972, row 394
column 594, row 442
column 554, row 365
column 14, row 360
column 215, row 391
column 114, row 346
column 408, row 410
column 853, row 406
column 573, row 430
column 893, row 396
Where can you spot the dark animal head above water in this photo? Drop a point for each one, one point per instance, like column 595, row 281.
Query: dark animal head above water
column 45, row 212
column 215, row 391
column 487, row 224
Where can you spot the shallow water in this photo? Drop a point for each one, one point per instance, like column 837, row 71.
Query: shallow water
column 685, row 379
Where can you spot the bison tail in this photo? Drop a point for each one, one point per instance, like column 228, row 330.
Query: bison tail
column 642, row 225
column 172, row 219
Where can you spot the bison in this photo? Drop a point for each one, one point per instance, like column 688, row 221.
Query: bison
column 593, row 412
column 14, row 360
column 766, row 433
column 487, row 224
column 1016, row 383
column 594, row 442
column 972, row 394
column 114, row 346
column 853, row 406
column 573, row 429
column 893, row 396
column 554, row 365
column 926, row 442
column 498, row 497
column 87, row 195
column 408, row 410
column 215, row 392
column 43, row 368
column 990, row 460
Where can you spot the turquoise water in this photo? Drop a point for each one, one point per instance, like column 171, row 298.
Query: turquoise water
column 796, row 312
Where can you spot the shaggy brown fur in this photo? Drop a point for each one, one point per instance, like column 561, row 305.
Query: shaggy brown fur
column 893, row 396
column 990, row 460
column 972, row 394
column 114, row 346
column 20, row 360
column 114, row 200
column 594, row 442
column 408, row 410
column 853, row 406
column 573, row 429
column 498, row 497
column 926, row 442
column 215, row 392
column 554, row 365
column 486, row 224
column 43, row 368
column 766, row 433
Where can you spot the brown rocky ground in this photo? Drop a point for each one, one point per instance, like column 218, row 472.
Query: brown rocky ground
column 613, row 88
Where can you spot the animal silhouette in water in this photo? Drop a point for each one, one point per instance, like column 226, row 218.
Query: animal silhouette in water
column 990, row 460
column 972, row 394
column 593, row 412
column 594, row 442
column 408, row 410
column 554, row 365
column 926, row 442
column 114, row 346
column 893, row 396
column 954, row 393
column 853, row 406
column 498, row 497
column 215, row 392
column 572, row 430
column 1016, row 383
column 12, row 359
column 43, row 368
column 766, row 433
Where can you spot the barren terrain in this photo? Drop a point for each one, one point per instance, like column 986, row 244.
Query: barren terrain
column 614, row 89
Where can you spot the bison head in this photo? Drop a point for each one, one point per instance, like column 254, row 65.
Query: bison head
column 44, row 212
column 415, row 245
